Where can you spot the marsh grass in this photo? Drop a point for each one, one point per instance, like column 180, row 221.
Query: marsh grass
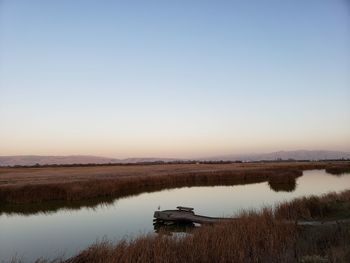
column 129, row 185
column 252, row 238
column 328, row 206
column 338, row 169
column 31, row 185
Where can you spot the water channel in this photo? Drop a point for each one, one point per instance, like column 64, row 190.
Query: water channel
column 31, row 234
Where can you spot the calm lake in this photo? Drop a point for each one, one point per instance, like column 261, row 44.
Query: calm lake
column 66, row 231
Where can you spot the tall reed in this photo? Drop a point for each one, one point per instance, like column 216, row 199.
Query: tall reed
column 122, row 186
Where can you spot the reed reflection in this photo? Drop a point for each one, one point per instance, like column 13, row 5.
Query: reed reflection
column 282, row 183
column 175, row 228
column 55, row 206
column 287, row 185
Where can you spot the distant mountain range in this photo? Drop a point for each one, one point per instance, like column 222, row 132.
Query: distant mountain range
column 70, row 159
column 86, row 159
column 284, row 155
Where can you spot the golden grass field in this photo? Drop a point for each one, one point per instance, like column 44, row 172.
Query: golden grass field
column 41, row 184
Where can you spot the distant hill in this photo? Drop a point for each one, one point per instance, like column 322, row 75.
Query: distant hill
column 70, row 159
column 87, row 159
column 42, row 160
column 284, row 155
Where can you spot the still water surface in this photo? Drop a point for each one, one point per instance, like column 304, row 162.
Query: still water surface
column 67, row 231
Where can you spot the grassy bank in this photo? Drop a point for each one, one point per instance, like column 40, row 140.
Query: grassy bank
column 254, row 237
column 36, row 185
column 286, row 183
column 124, row 186
column 338, row 169
column 327, row 207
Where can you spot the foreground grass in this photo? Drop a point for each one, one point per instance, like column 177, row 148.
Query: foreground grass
column 332, row 206
column 252, row 238
column 263, row 236
column 36, row 185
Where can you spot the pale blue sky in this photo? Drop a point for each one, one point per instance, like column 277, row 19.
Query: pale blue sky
column 173, row 78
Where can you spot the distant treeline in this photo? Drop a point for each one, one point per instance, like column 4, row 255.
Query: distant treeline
column 167, row 162
column 120, row 164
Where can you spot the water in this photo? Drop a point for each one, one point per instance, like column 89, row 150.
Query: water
column 67, row 231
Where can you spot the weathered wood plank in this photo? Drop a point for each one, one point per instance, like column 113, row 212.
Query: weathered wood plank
column 186, row 216
column 184, row 208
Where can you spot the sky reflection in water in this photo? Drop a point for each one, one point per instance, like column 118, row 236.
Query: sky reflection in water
column 68, row 231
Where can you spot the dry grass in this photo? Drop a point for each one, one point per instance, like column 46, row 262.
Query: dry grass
column 124, row 186
column 249, row 239
column 47, row 175
column 254, row 237
column 35, row 185
column 339, row 168
column 328, row 206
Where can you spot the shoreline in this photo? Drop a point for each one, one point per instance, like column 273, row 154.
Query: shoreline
column 263, row 236
column 42, row 185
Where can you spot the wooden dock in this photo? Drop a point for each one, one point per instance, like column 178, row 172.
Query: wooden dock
column 184, row 215
column 187, row 216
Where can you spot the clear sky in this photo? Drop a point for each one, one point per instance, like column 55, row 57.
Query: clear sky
column 173, row 78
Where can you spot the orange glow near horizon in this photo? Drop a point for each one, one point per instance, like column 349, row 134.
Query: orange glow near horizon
column 126, row 81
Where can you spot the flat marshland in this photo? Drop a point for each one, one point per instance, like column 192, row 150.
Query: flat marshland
column 35, row 185
column 263, row 235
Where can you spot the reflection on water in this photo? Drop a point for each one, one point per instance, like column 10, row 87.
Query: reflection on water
column 275, row 183
column 66, row 229
column 181, row 227
column 288, row 186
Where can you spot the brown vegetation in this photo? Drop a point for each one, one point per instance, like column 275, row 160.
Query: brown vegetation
column 284, row 183
column 35, row 185
column 124, row 186
column 55, row 205
column 339, row 168
column 254, row 237
column 325, row 207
